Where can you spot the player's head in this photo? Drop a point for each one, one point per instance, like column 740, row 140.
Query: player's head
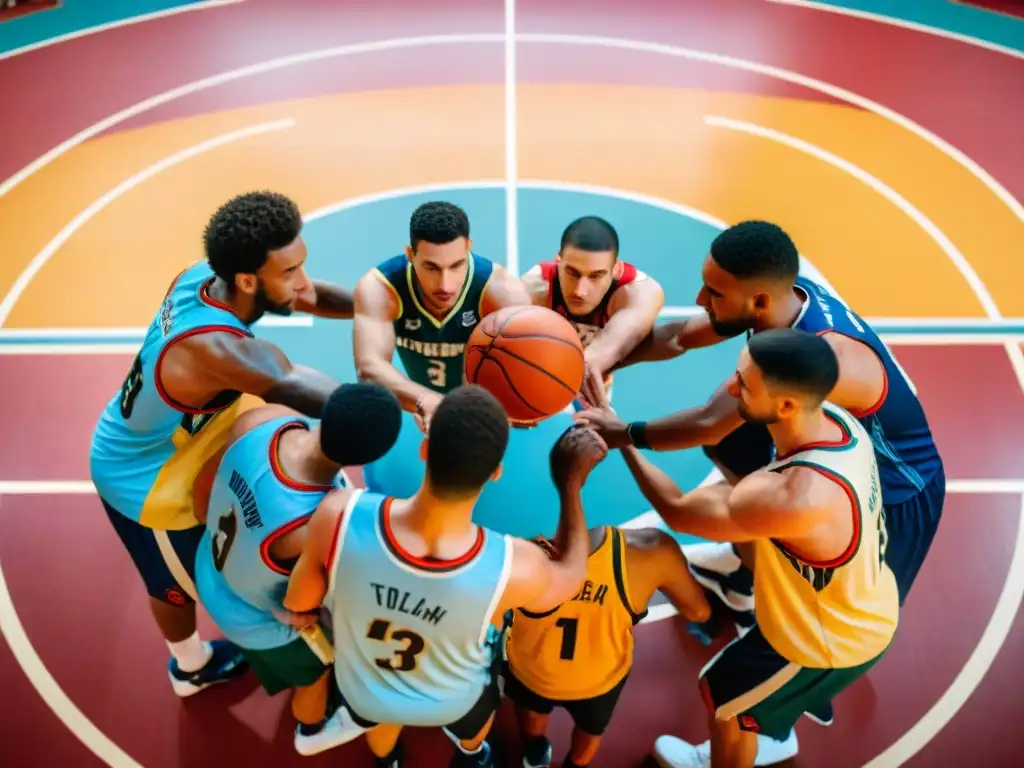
column 253, row 244
column 586, row 263
column 783, row 373
column 439, row 249
column 749, row 264
column 467, row 440
column 359, row 424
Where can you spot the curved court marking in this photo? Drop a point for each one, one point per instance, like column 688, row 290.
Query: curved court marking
column 40, row 259
column 50, row 691
column 879, row 186
column 203, row 5
column 903, row 23
column 230, row 75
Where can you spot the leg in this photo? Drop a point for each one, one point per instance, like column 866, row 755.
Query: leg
column 911, row 527
column 532, row 713
column 590, row 719
column 470, row 732
column 166, row 562
column 383, row 742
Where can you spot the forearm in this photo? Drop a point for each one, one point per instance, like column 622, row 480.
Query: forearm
column 572, row 542
column 608, row 349
column 684, row 429
column 304, row 389
column 383, row 372
column 333, row 301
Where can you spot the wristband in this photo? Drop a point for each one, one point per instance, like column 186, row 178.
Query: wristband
column 636, row 431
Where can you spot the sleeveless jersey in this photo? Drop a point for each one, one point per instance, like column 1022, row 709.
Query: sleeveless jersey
column 253, row 503
column 432, row 350
column 841, row 613
column 899, row 430
column 589, row 325
column 583, row 648
column 417, row 635
column 147, row 449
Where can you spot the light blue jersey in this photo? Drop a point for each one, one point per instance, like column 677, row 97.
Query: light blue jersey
column 147, row 449
column 252, row 503
column 417, row 634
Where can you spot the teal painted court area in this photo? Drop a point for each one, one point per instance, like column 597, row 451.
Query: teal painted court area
column 345, row 244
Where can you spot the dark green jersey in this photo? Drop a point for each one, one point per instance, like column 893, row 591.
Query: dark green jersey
column 432, row 350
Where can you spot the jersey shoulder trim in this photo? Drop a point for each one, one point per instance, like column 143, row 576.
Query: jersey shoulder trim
column 277, row 468
column 158, row 383
column 619, row 568
column 430, row 564
column 847, row 441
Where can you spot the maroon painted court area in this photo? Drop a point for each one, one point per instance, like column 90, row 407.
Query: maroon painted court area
column 104, row 652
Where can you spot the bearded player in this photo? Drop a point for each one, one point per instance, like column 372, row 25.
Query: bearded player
column 181, row 396
column 611, row 303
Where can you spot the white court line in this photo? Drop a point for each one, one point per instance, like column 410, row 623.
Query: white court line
column 41, row 258
column 876, row 184
column 123, row 348
column 198, row 6
column 894, row 22
column 511, row 143
column 1006, row 340
column 42, row 334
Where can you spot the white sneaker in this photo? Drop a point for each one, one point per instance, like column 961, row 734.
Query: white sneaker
column 339, row 729
column 673, row 752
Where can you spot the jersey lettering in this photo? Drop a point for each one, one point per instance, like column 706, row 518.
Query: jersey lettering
column 402, row 601
column 404, row 658
column 131, row 387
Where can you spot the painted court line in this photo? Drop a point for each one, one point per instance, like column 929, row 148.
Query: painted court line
column 41, row 258
column 904, row 24
column 198, row 6
column 511, row 143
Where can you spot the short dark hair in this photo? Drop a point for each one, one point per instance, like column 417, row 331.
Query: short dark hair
column 796, row 359
column 437, row 223
column 243, row 231
column 756, row 249
column 359, row 423
column 591, row 233
column 467, row 440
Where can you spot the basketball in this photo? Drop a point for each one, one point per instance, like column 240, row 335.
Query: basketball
column 530, row 358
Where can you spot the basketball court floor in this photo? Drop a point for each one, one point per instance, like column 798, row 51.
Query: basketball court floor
column 889, row 146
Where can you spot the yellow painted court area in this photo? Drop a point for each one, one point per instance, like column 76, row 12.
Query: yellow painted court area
column 653, row 141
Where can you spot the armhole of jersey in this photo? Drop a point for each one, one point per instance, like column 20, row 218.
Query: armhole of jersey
column 483, row 295
column 393, row 289
column 268, row 542
column 499, row 588
column 855, row 507
column 619, row 568
column 338, row 543
column 168, row 400
column 860, row 414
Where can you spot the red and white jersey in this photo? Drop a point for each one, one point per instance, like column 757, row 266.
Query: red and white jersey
column 589, row 325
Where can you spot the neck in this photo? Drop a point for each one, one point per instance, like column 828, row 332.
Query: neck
column 783, row 310
column 797, row 431
column 241, row 304
column 435, row 519
column 304, row 461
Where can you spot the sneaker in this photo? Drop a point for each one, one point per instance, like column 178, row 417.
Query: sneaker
column 482, row 758
column 822, row 715
column 672, row 752
column 226, row 663
column 537, row 753
column 334, row 731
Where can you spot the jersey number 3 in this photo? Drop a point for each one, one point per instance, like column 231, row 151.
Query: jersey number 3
column 227, row 527
column 404, row 659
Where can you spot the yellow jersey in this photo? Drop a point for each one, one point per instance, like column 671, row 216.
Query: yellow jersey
column 844, row 612
column 583, row 648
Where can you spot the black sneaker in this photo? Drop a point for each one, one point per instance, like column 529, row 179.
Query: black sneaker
column 226, row 663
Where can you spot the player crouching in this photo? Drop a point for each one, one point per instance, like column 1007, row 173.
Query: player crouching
column 579, row 655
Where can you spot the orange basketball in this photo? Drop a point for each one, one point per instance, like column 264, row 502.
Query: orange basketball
column 530, row 358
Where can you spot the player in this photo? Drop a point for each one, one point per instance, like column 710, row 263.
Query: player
column 418, row 592
column 751, row 283
column 612, row 304
column 579, row 655
column 813, row 525
column 424, row 304
column 181, row 395
column 276, row 469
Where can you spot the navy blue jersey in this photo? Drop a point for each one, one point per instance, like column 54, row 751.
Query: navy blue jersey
column 906, row 451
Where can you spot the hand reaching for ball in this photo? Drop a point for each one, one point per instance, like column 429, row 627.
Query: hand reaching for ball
column 576, row 453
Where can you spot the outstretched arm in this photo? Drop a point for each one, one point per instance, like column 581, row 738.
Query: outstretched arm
column 328, row 300
column 633, row 310
column 503, row 290
column 671, row 339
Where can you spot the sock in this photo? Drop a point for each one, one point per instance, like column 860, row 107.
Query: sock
column 191, row 653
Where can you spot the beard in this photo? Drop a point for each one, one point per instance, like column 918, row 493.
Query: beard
column 729, row 329
column 263, row 304
column 755, row 418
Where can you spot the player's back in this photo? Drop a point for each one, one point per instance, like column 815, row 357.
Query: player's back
column 907, row 454
column 583, row 648
column 253, row 503
column 432, row 350
column 146, row 448
column 418, row 638
column 844, row 612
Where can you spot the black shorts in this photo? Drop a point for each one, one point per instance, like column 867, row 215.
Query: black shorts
column 470, row 724
column 589, row 715
column 166, row 560
column 911, row 526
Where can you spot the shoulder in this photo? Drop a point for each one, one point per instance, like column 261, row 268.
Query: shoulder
column 648, row 540
column 636, row 289
column 375, row 294
column 806, row 487
column 392, row 268
column 503, row 289
column 538, row 282
column 249, row 420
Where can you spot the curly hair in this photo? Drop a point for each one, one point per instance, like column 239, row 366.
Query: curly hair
column 437, row 223
column 240, row 235
column 467, row 440
column 756, row 249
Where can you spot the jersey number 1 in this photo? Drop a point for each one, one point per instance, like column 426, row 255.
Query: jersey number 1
column 568, row 627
